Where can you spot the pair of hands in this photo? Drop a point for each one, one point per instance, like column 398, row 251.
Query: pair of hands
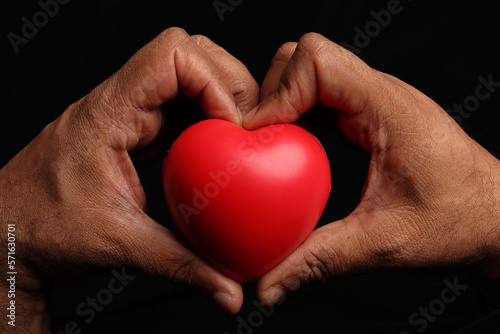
column 431, row 198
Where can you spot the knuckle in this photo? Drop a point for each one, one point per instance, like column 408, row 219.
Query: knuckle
column 292, row 95
column 322, row 51
column 170, row 37
column 246, row 88
column 173, row 32
column 321, row 263
column 310, row 37
column 202, row 40
column 285, row 52
column 312, row 42
column 317, row 269
column 253, row 88
column 182, row 270
column 288, row 46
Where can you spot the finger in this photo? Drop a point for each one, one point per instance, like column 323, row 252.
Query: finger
column 239, row 80
column 318, row 71
column 370, row 102
column 131, row 98
column 278, row 64
column 157, row 252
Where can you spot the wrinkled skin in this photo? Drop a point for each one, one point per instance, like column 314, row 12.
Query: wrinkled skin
column 431, row 197
column 75, row 196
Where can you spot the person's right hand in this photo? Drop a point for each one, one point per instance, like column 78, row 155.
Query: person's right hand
column 75, row 197
column 432, row 194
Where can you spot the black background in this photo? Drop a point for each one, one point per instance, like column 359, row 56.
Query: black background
column 441, row 49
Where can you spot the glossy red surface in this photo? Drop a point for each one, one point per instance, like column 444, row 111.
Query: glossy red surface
column 245, row 199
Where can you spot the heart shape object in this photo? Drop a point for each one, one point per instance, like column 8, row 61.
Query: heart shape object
column 245, row 199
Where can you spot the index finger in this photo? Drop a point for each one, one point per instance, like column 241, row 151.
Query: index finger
column 318, row 71
column 372, row 105
column 239, row 80
column 128, row 103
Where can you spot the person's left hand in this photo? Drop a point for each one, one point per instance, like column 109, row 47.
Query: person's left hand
column 432, row 194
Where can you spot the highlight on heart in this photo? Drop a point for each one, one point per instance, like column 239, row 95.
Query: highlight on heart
column 248, row 149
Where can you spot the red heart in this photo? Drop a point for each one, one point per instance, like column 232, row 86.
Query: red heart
column 245, row 199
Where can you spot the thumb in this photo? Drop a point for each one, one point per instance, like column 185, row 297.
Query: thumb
column 335, row 250
column 160, row 253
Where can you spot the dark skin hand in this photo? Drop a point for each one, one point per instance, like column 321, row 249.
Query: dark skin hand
column 432, row 195
column 74, row 193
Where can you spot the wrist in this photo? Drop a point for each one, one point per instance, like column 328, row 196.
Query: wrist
column 22, row 296
column 22, row 311
column 489, row 219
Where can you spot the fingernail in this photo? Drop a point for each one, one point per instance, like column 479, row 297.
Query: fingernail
column 223, row 299
column 273, row 295
column 248, row 117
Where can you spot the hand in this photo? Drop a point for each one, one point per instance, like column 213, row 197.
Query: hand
column 74, row 193
column 431, row 197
